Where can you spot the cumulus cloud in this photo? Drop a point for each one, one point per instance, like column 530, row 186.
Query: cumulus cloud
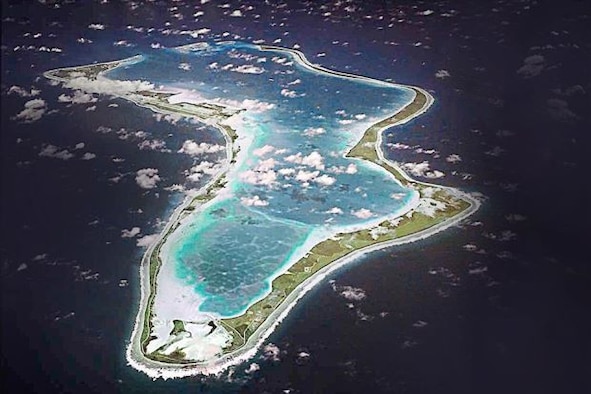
column 79, row 97
column 33, row 111
column 271, row 352
column 102, row 85
column 288, row 93
column 266, row 165
column 350, row 169
column 185, row 66
column 254, row 201
column 236, row 13
column 55, row 152
column 247, row 69
column 146, row 240
column 267, row 178
column 22, row 92
column 314, row 159
column 348, row 292
column 335, row 211
column 306, row 176
column 362, row 213
column 422, row 169
column 157, row 145
column 325, row 180
column 255, row 106
column 314, row 131
column 205, row 167
column 429, row 206
column 88, row 156
column 96, row 26
column 442, row 74
column 453, row 158
column 560, row 111
column 147, row 178
column 193, row 148
column 352, row 293
column 130, row 233
column 532, row 66
column 263, row 150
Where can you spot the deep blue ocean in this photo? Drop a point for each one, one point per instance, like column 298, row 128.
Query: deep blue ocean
column 498, row 304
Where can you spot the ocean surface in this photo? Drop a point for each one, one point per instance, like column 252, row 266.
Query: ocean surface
column 497, row 304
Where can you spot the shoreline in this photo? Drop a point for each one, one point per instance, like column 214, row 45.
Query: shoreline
column 158, row 369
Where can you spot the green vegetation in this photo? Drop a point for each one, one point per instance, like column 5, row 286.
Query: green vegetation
column 179, row 326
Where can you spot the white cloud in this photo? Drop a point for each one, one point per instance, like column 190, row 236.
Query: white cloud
column 426, row 12
column 398, row 145
column 253, row 367
column 268, row 178
column 79, row 97
column 271, row 352
column 442, row 74
column 88, row 156
column 352, row 293
column 287, row 171
column 335, row 211
column 362, row 213
column 314, row 159
column 204, row 167
column 96, row 26
column 248, row 69
column 236, row 13
column 532, row 66
column 314, row 131
column 55, row 152
column 146, row 240
column 288, row 93
column 102, row 85
column 34, row 110
column 306, row 176
column 255, row 201
column 157, row 145
column 350, row 169
column 266, row 165
column 22, row 92
column 193, row 148
column 185, row 66
column 429, row 206
column 130, row 233
column 325, row 180
column 422, row 169
column 453, row 158
column 263, row 151
column 147, row 178
column 560, row 111
column 255, row 106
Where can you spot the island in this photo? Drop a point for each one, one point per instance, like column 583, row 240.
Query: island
column 305, row 189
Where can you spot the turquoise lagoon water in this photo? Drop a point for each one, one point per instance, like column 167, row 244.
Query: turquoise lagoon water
column 301, row 181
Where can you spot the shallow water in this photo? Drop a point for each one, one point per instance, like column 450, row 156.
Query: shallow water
column 294, row 180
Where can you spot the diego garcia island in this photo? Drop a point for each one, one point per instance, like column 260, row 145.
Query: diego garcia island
column 304, row 189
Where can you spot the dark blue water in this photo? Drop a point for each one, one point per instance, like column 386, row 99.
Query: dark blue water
column 433, row 318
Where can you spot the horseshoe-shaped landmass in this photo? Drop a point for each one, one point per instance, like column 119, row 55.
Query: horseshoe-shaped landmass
column 305, row 188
